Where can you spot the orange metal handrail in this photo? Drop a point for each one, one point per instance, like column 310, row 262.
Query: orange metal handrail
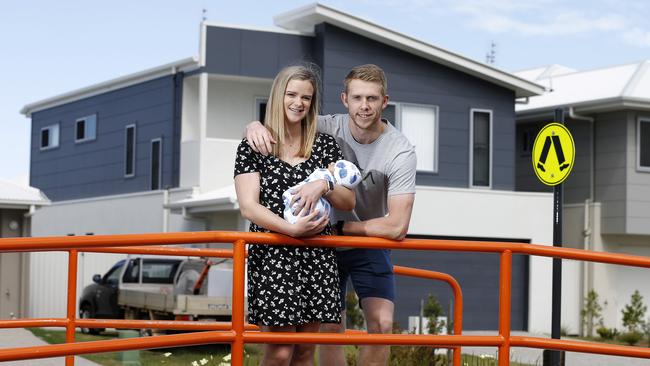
column 238, row 334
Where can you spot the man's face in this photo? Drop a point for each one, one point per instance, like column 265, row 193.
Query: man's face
column 364, row 102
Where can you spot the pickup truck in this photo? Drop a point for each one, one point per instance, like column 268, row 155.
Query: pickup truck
column 158, row 288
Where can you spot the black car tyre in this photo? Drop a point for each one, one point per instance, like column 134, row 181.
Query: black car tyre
column 86, row 313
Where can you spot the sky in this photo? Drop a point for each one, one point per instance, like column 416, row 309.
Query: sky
column 52, row 47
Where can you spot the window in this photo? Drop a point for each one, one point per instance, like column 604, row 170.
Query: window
column 113, row 276
column 643, row 145
column 86, row 129
column 260, row 108
column 156, row 159
column 419, row 123
column 129, row 154
column 159, row 271
column 480, row 157
column 50, row 137
column 132, row 273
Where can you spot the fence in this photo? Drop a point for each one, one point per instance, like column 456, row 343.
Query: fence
column 237, row 332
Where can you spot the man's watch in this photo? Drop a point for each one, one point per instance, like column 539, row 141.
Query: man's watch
column 339, row 227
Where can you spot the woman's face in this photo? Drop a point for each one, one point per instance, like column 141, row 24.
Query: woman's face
column 297, row 100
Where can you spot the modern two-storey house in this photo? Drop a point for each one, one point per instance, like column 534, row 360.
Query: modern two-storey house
column 154, row 151
column 607, row 196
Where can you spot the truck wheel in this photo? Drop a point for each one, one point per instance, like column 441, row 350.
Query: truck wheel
column 86, row 313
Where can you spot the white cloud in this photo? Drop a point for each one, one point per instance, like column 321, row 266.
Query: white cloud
column 637, row 37
column 562, row 24
column 541, row 17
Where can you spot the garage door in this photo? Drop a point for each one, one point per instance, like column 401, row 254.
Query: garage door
column 478, row 275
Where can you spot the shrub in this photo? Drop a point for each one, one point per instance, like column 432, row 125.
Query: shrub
column 353, row 314
column 432, row 310
column 630, row 338
column 606, row 333
column 591, row 313
column 634, row 312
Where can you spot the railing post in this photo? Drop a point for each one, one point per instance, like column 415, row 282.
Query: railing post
column 238, row 258
column 72, row 301
column 505, row 284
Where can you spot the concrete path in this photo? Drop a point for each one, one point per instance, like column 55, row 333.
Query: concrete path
column 10, row 338
column 533, row 356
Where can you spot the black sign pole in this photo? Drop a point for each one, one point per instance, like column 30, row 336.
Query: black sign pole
column 557, row 262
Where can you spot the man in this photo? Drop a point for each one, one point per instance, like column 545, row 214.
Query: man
column 384, row 201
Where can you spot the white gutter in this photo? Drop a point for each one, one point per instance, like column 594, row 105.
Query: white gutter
column 587, row 232
column 186, row 64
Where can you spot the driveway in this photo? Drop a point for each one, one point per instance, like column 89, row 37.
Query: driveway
column 10, row 338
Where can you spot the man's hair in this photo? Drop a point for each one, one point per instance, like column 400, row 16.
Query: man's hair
column 274, row 119
column 367, row 72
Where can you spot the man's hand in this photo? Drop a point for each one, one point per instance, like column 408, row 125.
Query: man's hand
column 307, row 195
column 259, row 138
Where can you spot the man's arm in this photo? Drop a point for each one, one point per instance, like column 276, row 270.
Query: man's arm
column 259, row 138
column 393, row 226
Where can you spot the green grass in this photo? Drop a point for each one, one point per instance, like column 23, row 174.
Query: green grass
column 214, row 354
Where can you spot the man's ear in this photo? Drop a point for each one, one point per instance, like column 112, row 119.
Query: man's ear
column 344, row 99
column 385, row 103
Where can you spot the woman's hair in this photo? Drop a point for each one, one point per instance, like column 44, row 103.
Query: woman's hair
column 274, row 119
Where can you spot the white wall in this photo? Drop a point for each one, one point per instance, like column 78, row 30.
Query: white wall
column 623, row 280
column 124, row 214
column 496, row 214
column 231, row 105
column 613, row 283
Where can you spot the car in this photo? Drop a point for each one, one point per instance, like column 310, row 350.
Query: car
column 99, row 299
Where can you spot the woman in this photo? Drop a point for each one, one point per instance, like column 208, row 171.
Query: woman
column 290, row 288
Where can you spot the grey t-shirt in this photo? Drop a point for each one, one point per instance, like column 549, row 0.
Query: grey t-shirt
column 387, row 166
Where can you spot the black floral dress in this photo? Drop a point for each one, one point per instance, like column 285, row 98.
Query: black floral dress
column 289, row 285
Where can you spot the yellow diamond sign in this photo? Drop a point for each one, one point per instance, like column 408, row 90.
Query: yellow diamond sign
column 553, row 154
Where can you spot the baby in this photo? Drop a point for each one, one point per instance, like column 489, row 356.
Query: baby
column 345, row 173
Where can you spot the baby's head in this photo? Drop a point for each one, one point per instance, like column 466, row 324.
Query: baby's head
column 346, row 174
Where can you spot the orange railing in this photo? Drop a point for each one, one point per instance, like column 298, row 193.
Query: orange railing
column 237, row 332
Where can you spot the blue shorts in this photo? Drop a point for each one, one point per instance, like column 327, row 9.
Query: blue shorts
column 371, row 272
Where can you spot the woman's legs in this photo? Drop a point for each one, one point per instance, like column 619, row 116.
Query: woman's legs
column 290, row 354
column 277, row 354
column 303, row 354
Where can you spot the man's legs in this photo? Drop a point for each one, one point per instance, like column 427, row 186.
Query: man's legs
column 379, row 319
column 332, row 354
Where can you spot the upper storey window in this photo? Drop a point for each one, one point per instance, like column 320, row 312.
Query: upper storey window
column 49, row 137
column 86, row 129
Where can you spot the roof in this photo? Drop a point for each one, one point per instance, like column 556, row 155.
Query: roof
column 12, row 194
column 615, row 87
column 171, row 68
column 222, row 199
column 305, row 18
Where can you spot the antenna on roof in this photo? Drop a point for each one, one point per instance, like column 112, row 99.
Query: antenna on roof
column 491, row 56
column 204, row 13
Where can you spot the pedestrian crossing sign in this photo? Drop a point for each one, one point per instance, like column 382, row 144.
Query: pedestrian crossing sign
column 553, row 154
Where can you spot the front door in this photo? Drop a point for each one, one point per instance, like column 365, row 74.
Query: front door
column 10, row 266
column 10, row 285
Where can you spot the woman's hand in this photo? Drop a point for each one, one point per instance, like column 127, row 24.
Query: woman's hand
column 307, row 226
column 307, row 195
